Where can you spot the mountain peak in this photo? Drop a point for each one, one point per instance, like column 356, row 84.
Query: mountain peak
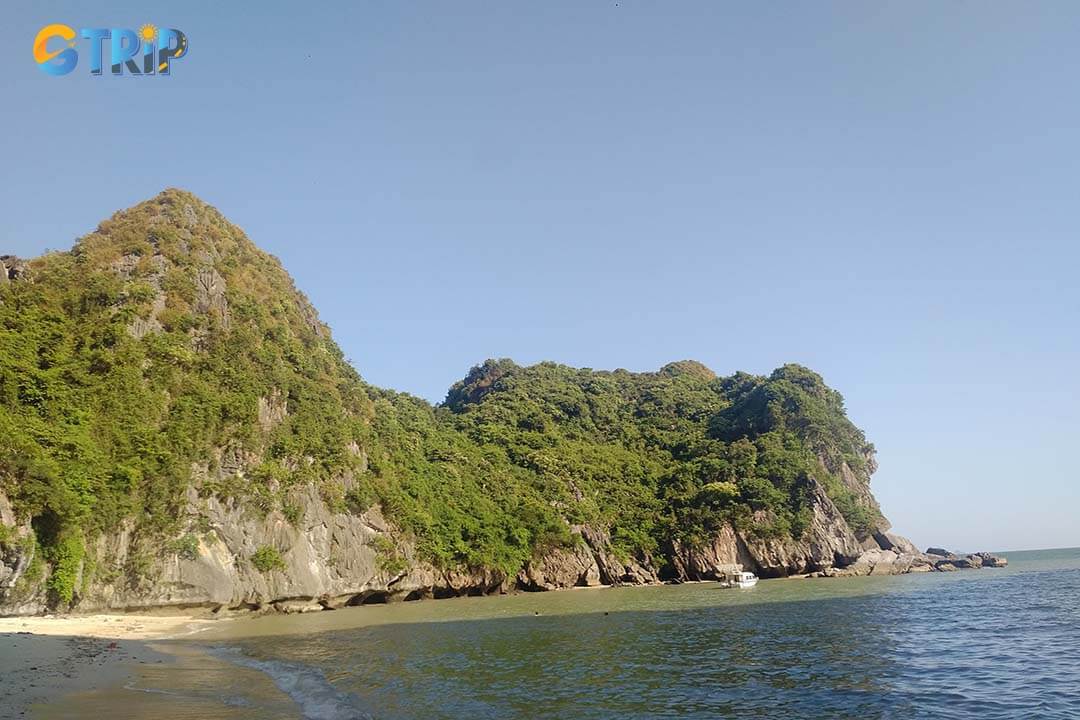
column 175, row 262
column 173, row 223
column 688, row 367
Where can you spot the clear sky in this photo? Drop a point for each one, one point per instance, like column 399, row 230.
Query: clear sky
column 886, row 192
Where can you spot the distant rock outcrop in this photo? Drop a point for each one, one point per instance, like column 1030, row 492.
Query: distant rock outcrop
column 11, row 268
column 946, row 561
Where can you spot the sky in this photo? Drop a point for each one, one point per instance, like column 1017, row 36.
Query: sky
column 885, row 192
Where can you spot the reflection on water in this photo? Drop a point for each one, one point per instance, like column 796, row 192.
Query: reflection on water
column 795, row 659
column 978, row 644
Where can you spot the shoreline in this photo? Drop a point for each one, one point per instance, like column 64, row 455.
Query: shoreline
column 55, row 666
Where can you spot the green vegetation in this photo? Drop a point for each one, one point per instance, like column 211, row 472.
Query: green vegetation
column 66, row 557
column 186, row 547
column 668, row 455
column 292, row 512
column 389, row 561
column 267, row 558
column 149, row 359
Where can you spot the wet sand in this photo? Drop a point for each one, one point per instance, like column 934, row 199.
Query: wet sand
column 44, row 660
column 41, row 669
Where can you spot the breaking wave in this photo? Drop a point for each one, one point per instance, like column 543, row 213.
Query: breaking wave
column 305, row 685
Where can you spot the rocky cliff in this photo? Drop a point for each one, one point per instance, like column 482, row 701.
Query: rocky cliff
column 178, row 428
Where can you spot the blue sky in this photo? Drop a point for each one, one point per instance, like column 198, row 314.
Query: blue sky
column 885, row 192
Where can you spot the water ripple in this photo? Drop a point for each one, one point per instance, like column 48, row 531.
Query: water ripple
column 992, row 645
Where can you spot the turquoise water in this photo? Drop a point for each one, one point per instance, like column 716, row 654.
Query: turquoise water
column 975, row 644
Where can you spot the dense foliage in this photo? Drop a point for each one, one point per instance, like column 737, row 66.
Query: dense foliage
column 166, row 351
column 667, row 455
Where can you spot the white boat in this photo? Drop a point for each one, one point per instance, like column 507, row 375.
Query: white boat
column 746, row 579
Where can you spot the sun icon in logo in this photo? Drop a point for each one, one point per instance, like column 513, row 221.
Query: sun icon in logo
column 148, row 33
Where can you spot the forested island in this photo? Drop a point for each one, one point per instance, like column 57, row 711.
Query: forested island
column 178, row 428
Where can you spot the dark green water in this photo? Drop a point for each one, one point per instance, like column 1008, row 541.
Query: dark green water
column 975, row 644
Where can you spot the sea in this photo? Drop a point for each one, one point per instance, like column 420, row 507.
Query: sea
column 989, row 643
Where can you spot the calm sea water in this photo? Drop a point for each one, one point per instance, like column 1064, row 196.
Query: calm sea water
column 975, row 644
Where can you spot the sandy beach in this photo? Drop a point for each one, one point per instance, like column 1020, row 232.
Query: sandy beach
column 44, row 659
column 111, row 626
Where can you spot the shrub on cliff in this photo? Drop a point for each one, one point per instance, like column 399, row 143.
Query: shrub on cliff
column 266, row 559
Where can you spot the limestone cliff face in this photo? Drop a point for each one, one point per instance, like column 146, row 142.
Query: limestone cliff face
column 327, row 560
column 333, row 559
column 829, row 546
column 829, row 541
